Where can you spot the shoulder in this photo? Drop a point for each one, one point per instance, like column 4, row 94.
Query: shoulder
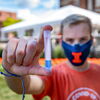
column 60, row 68
column 95, row 66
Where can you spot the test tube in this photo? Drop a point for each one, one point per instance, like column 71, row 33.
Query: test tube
column 47, row 48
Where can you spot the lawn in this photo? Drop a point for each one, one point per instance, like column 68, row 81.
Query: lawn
column 7, row 94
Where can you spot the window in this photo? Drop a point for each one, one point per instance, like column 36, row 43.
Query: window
column 29, row 32
column 99, row 31
column 97, row 6
column 97, row 3
column 90, row 5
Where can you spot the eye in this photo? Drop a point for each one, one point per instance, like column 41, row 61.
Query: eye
column 83, row 40
column 70, row 41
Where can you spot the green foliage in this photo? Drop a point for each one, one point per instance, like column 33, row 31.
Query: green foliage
column 10, row 21
column 15, row 34
column 57, row 52
column 42, row 55
column 26, row 34
column 1, row 52
column 1, row 68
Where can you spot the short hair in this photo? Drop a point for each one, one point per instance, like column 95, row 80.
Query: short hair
column 76, row 19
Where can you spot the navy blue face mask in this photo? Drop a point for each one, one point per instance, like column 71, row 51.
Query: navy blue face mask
column 77, row 53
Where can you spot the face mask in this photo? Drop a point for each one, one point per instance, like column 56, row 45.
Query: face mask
column 77, row 53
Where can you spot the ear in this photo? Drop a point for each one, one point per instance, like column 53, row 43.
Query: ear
column 91, row 36
column 60, row 35
column 94, row 41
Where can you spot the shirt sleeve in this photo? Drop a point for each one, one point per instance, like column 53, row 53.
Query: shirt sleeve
column 47, row 81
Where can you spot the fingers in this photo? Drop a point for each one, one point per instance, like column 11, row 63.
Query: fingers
column 11, row 48
column 22, row 57
column 20, row 51
column 30, row 52
column 5, row 63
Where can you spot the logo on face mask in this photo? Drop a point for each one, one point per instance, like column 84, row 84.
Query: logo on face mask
column 76, row 57
column 77, row 53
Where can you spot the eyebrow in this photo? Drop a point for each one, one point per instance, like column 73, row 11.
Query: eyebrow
column 73, row 38
column 79, row 37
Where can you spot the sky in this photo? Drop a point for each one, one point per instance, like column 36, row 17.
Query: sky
column 33, row 5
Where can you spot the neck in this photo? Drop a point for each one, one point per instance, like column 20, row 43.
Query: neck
column 81, row 68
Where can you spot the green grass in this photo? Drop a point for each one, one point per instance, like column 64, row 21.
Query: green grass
column 7, row 94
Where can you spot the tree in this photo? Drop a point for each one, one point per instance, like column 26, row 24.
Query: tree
column 10, row 21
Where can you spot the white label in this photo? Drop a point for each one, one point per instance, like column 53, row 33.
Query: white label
column 47, row 45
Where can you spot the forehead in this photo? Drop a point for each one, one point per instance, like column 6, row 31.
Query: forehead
column 76, row 31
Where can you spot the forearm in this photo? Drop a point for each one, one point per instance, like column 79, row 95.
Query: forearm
column 33, row 84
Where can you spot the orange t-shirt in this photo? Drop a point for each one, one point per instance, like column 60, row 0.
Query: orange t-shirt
column 68, row 84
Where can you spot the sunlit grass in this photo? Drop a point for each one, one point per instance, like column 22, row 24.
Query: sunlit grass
column 7, row 94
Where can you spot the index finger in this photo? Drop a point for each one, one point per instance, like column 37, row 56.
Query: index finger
column 40, row 43
column 41, row 38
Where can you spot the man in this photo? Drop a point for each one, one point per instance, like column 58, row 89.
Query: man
column 76, row 79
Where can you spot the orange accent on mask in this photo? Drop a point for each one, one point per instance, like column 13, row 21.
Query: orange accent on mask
column 76, row 57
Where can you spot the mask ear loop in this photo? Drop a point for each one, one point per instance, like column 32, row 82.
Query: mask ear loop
column 17, row 76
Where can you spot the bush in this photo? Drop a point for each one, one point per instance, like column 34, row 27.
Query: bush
column 42, row 55
column 1, row 52
column 58, row 52
column 1, row 68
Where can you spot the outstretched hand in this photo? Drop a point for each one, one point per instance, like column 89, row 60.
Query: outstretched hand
column 21, row 56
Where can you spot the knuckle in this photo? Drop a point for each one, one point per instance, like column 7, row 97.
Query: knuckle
column 32, row 44
column 26, row 63
column 3, row 63
column 20, row 53
column 10, row 57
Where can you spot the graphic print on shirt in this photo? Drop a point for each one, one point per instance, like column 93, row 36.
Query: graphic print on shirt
column 83, row 94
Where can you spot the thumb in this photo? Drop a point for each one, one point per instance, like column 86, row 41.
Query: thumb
column 30, row 70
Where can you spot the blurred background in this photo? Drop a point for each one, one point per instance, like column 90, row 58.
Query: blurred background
column 24, row 18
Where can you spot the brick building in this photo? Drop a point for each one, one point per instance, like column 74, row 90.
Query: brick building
column 5, row 14
column 93, row 5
